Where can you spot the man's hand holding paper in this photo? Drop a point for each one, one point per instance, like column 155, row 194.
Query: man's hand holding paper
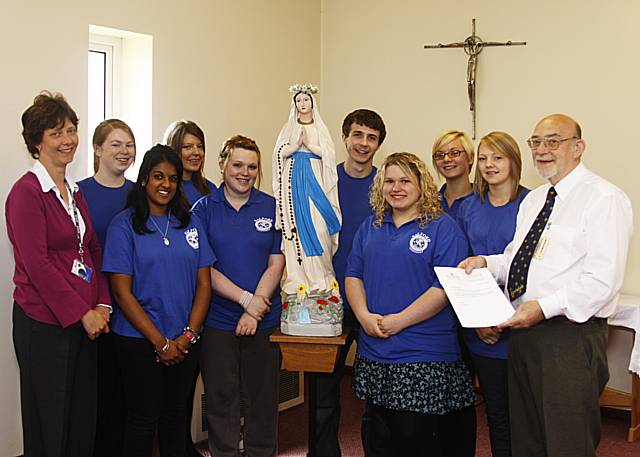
column 476, row 297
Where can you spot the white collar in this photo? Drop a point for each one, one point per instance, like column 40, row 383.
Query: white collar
column 566, row 184
column 45, row 180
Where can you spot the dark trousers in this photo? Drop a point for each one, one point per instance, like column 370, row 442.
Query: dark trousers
column 156, row 398
column 57, row 387
column 191, row 448
column 234, row 368
column 457, row 429
column 328, row 397
column 493, row 376
column 557, row 370
column 456, row 433
column 111, row 407
column 393, row 433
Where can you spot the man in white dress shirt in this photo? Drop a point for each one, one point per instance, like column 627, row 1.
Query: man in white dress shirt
column 571, row 278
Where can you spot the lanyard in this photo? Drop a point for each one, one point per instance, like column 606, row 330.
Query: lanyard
column 76, row 222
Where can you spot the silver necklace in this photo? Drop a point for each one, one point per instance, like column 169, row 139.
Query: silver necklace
column 165, row 240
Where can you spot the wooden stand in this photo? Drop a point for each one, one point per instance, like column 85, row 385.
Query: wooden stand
column 634, row 430
column 627, row 315
column 311, row 355
column 617, row 399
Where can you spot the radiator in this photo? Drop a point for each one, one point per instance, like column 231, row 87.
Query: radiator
column 291, row 393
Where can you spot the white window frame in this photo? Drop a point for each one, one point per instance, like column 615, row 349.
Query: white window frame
column 111, row 47
column 128, row 94
column 108, row 77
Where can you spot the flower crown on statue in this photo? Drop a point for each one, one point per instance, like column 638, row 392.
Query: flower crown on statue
column 304, row 88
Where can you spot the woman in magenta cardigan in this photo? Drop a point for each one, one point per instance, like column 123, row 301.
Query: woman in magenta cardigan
column 61, row 299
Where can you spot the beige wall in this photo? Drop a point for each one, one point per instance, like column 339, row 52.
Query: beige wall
column 226, row 64
column 581, row 59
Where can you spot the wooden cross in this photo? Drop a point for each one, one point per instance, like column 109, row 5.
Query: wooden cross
column 473, row 46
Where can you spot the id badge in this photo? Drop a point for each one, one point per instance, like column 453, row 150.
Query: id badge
column 82, row 271
column 543, row 243
column 542, row 247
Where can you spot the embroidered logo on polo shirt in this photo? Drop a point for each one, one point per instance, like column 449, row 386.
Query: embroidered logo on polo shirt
column 263, row 224
column 191, row 236
column 419, row 242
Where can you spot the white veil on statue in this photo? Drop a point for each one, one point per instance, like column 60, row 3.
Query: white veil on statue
column 305, row 186
column 288, row 134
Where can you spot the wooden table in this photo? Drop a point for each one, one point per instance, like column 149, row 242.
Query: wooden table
column 311, row 355
column 617, row 399
column 627, row 315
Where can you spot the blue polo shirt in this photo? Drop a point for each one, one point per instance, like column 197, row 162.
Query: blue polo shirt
column 489, row 229
column 396, row 267
column 163, row 277
column 455, row 206
column 104, row 203
column 191, row 193
column 353, row 194
column 242, row 242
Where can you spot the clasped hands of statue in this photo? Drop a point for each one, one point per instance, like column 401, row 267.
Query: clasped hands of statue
column 303, row 140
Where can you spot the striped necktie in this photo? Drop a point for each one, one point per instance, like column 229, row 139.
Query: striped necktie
column 517, row 283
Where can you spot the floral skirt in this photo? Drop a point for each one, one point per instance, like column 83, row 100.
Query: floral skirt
column 423, row 387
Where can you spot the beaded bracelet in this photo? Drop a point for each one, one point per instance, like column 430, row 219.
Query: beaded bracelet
column 190, row 334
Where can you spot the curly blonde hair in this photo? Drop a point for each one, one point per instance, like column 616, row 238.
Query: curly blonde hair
column 429, row 206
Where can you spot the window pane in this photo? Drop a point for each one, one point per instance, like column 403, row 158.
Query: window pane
column 97, row 97
column 97, row 86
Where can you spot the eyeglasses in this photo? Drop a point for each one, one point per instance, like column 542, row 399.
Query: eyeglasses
column 550, row 143
column 453, row 153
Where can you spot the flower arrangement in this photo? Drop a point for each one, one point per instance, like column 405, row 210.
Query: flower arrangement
column 305, row 88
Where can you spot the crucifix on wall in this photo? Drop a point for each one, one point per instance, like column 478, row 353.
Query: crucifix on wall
column 473, row 46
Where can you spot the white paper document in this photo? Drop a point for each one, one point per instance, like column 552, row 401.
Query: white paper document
column 476, row 298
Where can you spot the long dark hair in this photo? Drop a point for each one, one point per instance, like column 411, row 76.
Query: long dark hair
column 137, row 198
column 174, row 137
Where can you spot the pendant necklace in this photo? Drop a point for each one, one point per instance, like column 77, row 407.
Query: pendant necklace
column 165, row 240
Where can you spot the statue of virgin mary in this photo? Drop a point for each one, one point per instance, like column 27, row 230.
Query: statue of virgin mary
column 305, row 186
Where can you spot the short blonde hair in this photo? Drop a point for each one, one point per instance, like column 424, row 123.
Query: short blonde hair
column 504, row 144
column 243, row 142
column 429, row 206
column 447, row 137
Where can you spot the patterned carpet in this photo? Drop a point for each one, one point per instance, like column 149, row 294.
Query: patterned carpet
column 292, row 437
